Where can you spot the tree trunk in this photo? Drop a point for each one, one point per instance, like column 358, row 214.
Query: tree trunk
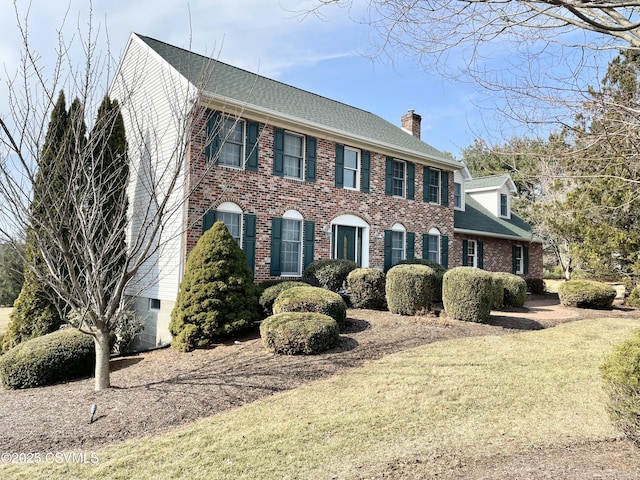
column 103, row 356
column 567, row 271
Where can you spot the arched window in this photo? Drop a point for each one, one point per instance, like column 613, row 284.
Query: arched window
column 231, row 215
column 398, row 243
column 291, row 244
column 433, row 245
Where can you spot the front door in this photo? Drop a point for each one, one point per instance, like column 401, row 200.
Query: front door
column 346, row 246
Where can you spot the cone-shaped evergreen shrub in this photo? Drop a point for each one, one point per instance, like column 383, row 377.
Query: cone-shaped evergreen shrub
column 467, row 294
column 410, row 288
column 367, row 288
column 586, row 294
column 621, row 373
column 312, row 299
column 292, row 333
column 515, row 289
column 62, row 355
column 217, row 295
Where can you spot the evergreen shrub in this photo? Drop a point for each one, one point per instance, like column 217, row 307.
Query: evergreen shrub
column 367, row 288
column 497, row 292
column 621, row 374
column 329, row 274
column 292, row 333
column 535, row 286
column 312, row 300
column 270, row 294
column 634, row 297
column 515, row 289
column 467, row 294
column 59, row 356
column 217, row 296
column 439, row 269
column 410, row 288
column 586, row 294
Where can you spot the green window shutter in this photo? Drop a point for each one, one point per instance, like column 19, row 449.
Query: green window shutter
column 513, row 258
column 339, row 165
column 465, row 252
column 444, row 190
column 425, row 184
column 208, row 220
column 525, row 254
column 411, row 181
column 311, row 159
column 249, row 240
column 276, row 245
column 425, row 246
column 309, row 242
column 411, row 245
column 480, row 255
column 278, row 152
column 387, row 250
column 253, row 130
column 388, row 177
column 212, row 137
column 366, row 171
column 444, row 251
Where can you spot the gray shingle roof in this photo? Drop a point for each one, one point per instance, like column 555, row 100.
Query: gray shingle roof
column 478, row 219
column 490, row 181
column 243, row 86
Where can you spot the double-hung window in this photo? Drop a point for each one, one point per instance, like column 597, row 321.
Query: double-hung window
column 457, row 195
column 399, row 178
column 434, row 248
column 291, row 247
column 293, row 155
column 434, row 185
column 504, row 205
column 351, row 169
column 233, row 222
column 518, row 259
column 232, row 142
column 472, row 253
column 397, row 247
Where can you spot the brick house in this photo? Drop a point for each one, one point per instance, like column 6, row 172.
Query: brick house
column 294, row 176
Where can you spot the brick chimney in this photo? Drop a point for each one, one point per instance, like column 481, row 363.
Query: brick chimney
column 411, row 123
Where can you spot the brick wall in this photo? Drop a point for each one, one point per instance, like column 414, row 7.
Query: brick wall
column 266, row 195
column 497, row 254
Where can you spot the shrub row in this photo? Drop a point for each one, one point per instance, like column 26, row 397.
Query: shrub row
column 586, row 294
column 292, row 333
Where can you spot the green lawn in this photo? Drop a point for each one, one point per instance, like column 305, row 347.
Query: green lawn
column 443, row 404
column 4, row 319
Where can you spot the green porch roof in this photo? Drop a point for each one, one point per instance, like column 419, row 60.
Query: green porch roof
column 243, row 86
column 475, row 218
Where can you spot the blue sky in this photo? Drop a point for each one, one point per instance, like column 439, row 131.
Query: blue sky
column 328, row 57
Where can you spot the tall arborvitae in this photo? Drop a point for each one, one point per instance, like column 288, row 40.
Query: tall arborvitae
column 37, row 310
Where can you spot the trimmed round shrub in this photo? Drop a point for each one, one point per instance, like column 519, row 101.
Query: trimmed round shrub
column 312, row 299
column 621, row 373
column 292, row 333
column 497, row 292
column 586, row 294
column 329, row 274
column 55, row 357
column 367, row 288
column 467, row 294
column 535, row 286
column 410, row 288
column 439, row 269
column 270, row 294
column 217, row 295
column 634, row 297
column 515, row 289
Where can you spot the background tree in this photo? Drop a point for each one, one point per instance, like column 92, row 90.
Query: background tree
column 11, row 273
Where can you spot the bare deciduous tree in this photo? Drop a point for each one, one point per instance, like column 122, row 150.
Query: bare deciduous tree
column 75, row 248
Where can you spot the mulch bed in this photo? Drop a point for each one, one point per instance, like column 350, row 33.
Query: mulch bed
column 154, row 392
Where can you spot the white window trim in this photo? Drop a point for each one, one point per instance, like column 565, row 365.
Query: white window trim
column 397, row 227
column 404, row 180
column 358, row 168
column 230, row 207
column 295, row 215
column 243, row 146
column 304, row 156
column 508, row 214
column 439, row 186
column 461, row 207
column 520, row 250
column 474, row 263
column 153, row 308
column 434, row 232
